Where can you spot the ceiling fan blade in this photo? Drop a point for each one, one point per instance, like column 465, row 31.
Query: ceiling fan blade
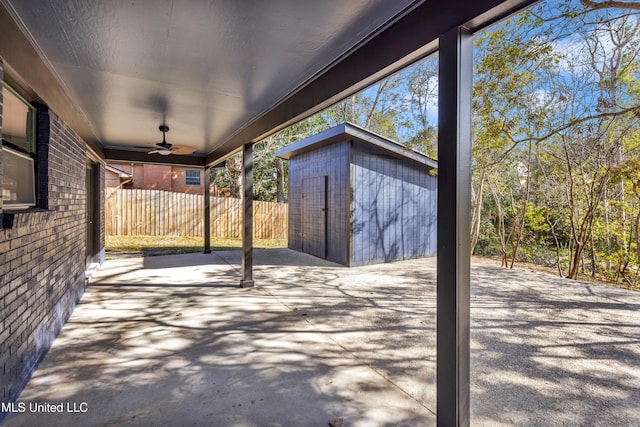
column 152, row 152
column 182, row 149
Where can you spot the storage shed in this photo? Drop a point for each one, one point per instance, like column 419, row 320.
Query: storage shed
column 358, row 198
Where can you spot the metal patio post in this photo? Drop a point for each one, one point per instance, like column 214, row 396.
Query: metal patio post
column 207, row 210
column 247, row 217
column 454, row 201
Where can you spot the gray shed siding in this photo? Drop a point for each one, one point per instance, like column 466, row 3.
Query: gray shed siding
column 393, row 208
column 331, row 161
column 380, row 198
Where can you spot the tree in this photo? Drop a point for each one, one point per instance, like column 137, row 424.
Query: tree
column 270, row 173
column 377, row 108
column 228, row 180
column 602, row 76
column 566, row 122
column 508, row 110
column 420, row 107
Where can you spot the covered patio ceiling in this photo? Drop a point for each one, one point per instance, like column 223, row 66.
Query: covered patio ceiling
column 220, row 73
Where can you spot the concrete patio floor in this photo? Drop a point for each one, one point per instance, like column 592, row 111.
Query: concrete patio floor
column 172, row 340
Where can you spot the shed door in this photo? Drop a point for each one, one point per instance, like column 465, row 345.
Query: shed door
column 314, row 216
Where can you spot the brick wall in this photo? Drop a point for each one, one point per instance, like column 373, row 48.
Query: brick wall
column 156, row 177
column 112, row 180
column 179, row 184
column 1, row 79
column 42, row 257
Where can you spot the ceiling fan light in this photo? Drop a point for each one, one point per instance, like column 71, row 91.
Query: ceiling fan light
column 164, row 152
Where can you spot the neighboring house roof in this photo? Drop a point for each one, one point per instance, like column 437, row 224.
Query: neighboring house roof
column 352, row 132
column 122, row 174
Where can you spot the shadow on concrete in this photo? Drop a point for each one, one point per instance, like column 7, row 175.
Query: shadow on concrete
column 184, row 345
column 144, row 351
column 550, row 351
column 153, row 284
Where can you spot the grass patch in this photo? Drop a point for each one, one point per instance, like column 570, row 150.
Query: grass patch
column 156, row 245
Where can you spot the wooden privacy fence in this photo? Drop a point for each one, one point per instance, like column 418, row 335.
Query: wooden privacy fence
column 165, row 213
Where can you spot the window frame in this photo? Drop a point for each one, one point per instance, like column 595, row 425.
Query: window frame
column 31, row 129
column 187, row 177
column 8, row 204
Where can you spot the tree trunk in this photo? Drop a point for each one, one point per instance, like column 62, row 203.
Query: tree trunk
column 637, row 236
column 477, row 211
column 525, row 204
column 500, row 215
column 557, row 242
column 607, row 229
column 593, row 257
column 575, row 260
column 280, row 181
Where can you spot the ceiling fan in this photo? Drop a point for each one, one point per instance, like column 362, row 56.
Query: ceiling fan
column 164, row 148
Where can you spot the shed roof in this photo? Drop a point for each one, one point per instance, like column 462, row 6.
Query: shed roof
column 355, row 133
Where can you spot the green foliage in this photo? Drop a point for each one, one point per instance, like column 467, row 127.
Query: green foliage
column 227, row 181
column 509, row 72
column 487, row 240
column 556, row 101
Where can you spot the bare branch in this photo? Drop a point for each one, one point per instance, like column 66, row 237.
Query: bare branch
column 595, row 5
column 577, row 121
column 381, row 87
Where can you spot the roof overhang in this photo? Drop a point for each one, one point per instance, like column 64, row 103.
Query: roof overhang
column 399, row 40
column 144, row 157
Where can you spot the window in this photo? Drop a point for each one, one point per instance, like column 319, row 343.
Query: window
column 192, row 177
column 18, row 184
column 18, row 151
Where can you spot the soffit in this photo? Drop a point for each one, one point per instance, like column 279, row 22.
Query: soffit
column 205, row 68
